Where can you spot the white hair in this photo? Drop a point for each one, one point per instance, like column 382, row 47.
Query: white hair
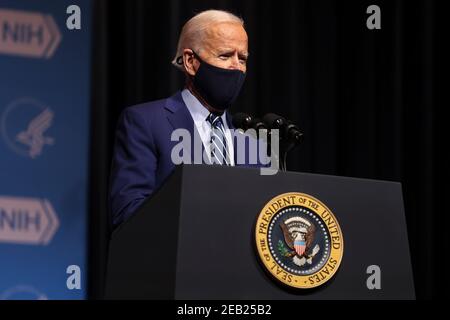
column 193, row 31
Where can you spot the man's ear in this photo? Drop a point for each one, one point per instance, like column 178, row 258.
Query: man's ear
column 189, row 62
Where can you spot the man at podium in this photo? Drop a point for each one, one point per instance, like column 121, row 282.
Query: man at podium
column 212, row 52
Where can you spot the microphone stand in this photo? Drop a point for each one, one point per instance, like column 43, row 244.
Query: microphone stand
column 284, row 148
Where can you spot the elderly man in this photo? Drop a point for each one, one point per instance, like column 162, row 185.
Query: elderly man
column 212, row 52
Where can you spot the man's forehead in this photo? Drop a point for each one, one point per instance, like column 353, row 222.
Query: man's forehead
column 226, row 33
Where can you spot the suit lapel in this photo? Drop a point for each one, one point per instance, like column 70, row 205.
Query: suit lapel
column 180, row 117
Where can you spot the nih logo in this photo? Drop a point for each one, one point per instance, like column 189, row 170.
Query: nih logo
column 27, row 221
column 28, row 34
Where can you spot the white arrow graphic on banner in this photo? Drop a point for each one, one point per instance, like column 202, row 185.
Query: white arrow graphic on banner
column 27, row 220
column 28, row 34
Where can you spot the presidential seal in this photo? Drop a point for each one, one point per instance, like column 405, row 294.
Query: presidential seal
column 299, row 240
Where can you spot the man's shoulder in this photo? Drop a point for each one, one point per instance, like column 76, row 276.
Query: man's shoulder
column 149, row 107
column 155, row 107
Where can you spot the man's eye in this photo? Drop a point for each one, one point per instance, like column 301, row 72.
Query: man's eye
column 224, row 56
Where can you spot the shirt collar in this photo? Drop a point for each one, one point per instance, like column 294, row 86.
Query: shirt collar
column 197, row 109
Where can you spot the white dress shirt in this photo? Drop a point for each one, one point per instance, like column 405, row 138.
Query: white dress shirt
column 199, row 114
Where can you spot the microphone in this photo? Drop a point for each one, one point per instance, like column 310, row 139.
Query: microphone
column 245, row 121
column 288, row 130
column 242, row 120
column 293, row 132
column 257, row 124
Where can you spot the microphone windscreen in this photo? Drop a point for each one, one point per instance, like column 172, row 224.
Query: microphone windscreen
column 241, row 120
column 274, row 121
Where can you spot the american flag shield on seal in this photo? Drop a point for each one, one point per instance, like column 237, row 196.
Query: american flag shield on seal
column 299, row 247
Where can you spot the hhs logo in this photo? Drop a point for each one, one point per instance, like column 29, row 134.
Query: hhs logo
column 24, row 126
column 28, row 34
column 27, row 220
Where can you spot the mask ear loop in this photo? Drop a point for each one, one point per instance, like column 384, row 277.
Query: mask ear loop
column 180, row 58
column 196, row 56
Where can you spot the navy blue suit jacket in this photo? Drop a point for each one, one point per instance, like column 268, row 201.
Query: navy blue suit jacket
column 142, row 152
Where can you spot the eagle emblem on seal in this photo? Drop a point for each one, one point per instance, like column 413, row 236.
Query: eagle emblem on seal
column 299, row 234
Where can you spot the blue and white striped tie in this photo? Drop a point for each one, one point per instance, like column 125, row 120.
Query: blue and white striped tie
column 219, row 150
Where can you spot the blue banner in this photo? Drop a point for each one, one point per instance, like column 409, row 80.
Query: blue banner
column 44, row 140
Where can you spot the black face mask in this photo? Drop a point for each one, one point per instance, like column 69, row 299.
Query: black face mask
column 219, row 87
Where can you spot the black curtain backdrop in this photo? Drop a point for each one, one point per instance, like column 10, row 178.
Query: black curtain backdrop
column 365, row 99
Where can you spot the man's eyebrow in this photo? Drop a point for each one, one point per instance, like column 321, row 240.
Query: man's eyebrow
column 229, row 50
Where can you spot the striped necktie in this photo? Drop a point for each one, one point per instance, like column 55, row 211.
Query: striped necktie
column 219, row 150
